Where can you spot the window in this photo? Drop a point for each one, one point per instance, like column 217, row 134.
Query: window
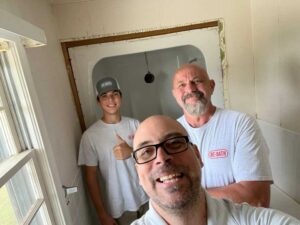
column 22, row 193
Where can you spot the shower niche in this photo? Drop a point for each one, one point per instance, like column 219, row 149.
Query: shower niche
column 144, row 68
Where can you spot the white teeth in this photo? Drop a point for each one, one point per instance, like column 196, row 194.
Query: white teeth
column 169, row 178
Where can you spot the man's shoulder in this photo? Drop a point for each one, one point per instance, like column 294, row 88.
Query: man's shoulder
column 132, row 122
column 140, row 221
column 94, row 125
column 130, row 119
column 94, row 128
column 229, row 114
column 224, row 211
column 181, row 119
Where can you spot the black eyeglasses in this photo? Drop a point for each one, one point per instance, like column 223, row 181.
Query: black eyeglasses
column 171, row 146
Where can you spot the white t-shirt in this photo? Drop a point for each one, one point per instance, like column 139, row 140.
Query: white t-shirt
column 232, row 149
column 119, row 181
column 224, row 212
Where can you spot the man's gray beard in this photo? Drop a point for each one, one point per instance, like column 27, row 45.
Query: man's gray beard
column 189, row 195
column 197, row 109
column 188, row 200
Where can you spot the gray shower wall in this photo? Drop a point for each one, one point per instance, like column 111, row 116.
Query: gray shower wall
column 141, row 99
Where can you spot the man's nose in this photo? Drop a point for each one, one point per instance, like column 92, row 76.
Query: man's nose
column 110, row 97
column 191, row 86
column 162, row 156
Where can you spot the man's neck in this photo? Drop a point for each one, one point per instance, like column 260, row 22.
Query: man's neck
column 199, row 121
column 111, row 119
column 196, row 215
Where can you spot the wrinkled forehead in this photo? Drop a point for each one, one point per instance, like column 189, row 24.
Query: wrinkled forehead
column 189, row 72
column 157, row 129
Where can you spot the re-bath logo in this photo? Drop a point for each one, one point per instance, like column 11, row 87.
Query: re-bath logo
column 105, row 84
column 220, row 153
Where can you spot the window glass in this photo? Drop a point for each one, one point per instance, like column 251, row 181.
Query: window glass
column 40, row 217
column 20, row 194
column 7, row 143
column 7, row 216
column 16, row 92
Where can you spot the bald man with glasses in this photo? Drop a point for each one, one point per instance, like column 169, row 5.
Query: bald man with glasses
column 169, row 170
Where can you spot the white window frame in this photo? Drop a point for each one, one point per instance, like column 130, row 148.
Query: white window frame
column 22, row 35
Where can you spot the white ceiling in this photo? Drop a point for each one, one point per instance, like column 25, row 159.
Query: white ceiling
column 67, row 1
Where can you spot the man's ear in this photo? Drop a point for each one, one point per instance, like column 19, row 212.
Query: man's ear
column 197, row 153
column 212, row 85
column 173, row 92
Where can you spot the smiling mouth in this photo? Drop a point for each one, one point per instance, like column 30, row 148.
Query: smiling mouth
column 198, row 95
column 170, row 178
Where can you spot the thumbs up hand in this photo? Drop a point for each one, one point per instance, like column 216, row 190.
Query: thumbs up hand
column 122, row 150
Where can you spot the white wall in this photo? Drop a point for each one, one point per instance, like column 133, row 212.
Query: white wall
column 261, row 44
column 276, row 50
column 56, row 103
column 87, row 19
column 261, row 38
column 284, row 157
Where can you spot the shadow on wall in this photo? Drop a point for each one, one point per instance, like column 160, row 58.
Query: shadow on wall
column 284, row 159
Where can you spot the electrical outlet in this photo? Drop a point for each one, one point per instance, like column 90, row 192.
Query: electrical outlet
column 70, row 190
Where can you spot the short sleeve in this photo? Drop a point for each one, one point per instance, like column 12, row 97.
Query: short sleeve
column 251, row 161
column 87, row 153
column 136, row 123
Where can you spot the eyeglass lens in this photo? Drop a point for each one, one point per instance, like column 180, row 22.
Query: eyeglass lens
column 171, row 146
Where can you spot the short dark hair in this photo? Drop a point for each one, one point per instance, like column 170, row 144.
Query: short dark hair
column 113, row 91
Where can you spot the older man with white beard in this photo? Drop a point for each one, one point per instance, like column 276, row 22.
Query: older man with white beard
column 234, row 153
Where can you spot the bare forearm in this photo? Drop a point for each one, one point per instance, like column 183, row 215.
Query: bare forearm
column 95, row 194
column 256, row 193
